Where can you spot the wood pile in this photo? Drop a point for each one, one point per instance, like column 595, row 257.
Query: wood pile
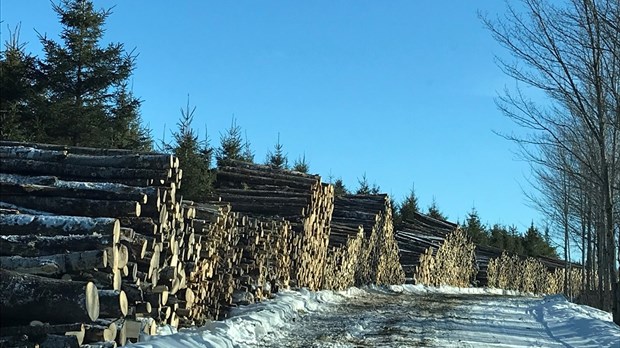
column 378, row 260
column 531, row 275
column 264, row 192
column 416, row 237
column 90, row 218
column 453, row 263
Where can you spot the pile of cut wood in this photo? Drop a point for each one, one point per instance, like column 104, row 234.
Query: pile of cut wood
column 97, row 247
column 377, row 259
column 264, row 192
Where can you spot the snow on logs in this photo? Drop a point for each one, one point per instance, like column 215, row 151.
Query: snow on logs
column 105, row 218
column 265, row 192
column 374, row 258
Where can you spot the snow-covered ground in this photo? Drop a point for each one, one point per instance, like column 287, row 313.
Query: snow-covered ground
column 403, row 316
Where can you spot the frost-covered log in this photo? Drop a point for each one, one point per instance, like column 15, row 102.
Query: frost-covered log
column 56, row 265
column 76, row 206
column 112, row 304
column 24, row 298
column 31, row 245
column 54, row 225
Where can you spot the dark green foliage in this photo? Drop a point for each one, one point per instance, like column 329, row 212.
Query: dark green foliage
column 86, row 84
column 365, row 188
column 434, row 212
column 195, row 158
column 19, row 93
column 278, row 158
column 247, row 155
column 409, row 206
column 535, row 245
column 232, row 146
column 77, row 93
column 475, row 229
column 396, row 217
column 301, row 165
column 339, row 188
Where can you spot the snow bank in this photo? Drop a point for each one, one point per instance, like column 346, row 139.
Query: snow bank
column 516, row 320
column 248, row 323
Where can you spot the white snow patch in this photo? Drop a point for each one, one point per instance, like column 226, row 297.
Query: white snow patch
column 517, row 320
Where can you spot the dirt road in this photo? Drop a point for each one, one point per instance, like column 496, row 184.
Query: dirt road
column 428, row 320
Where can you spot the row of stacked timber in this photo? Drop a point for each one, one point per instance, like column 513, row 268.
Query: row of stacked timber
column 416, row 237
column 302, row 199
column 98, row 248
column 362, row 248
column 420, row 239
column 111, row 220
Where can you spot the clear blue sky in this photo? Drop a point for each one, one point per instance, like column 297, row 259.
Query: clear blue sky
column 400, row 90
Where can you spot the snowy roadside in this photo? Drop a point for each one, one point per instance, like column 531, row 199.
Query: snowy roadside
column 469, row 317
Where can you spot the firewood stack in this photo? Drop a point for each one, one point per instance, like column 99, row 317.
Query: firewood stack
column 264, row 192
column 90, row 218
column 345, row 248
column 378, row 260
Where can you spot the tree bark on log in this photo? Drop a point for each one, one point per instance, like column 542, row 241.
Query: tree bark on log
column 24, row 298
column 69, row 171
column 56, row 265
column 71, row 192
column 76, row 206
column 31, row 245
column 53, row 225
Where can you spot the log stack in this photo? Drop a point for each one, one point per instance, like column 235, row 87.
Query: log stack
column 103, row 217
column 378, row 260
column 264, row 192
column 113, row 219
column 416, row 237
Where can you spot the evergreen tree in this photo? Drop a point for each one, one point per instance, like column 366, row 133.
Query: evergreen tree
column 231, row 145
column 339, row 188
column 409, row 206
column 434, row 212
column 301, row 165
column 278, row 158
column 515, row 242
column 85, row 83
column 195, row 157
column 364, row 187
column 20, row 96
column 475, row 229
column 247, row 155
column 498, row 237
column 534, row 244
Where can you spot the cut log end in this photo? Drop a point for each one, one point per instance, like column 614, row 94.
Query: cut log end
column 92, row 301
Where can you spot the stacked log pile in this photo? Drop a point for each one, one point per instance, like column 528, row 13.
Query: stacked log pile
column 416, row 237
column 378, row 260
column 532, row 275
column 453, row 263
column 93, row 216
column 264, row 192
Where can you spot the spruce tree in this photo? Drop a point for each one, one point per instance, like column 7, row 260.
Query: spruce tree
column 339, row 188
column 277, row 159
column 475, row 229
column 364, row 187
column 247, row 155
column 86, row 84
column 409, row 206
column 434, row 212
column 20, row 96
column 231, row 145
column 195, row 157
column 301, row 165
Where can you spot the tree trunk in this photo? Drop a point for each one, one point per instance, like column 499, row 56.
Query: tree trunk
column 24, row 298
